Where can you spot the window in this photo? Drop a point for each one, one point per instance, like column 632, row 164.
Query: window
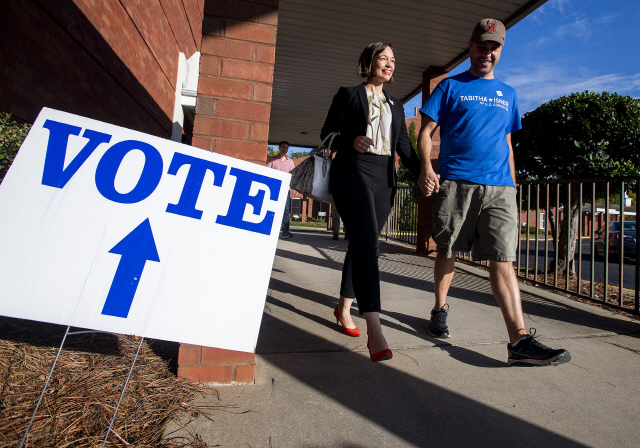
column 295, row 207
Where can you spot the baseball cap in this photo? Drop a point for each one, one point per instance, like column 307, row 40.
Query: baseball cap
column 489, row 29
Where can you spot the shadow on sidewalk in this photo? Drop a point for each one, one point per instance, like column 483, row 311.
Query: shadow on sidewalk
column 275, row 339
column 415, row 410
column 416, row 272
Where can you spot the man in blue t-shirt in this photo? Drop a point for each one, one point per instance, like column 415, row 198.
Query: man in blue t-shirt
column 474, row 205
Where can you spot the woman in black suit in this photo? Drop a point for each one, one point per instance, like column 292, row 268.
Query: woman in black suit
column 371, row 131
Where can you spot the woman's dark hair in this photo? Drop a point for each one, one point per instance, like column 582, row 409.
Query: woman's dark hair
column 367, row 57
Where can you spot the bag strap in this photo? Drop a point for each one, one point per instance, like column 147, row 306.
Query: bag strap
column 321, row 148
column 323, row 151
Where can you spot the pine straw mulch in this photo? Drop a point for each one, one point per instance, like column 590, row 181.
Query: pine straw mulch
column 84, row 389
column 613, row 292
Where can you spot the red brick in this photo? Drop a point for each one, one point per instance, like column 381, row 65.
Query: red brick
column 266, row 54
column 207, row 374
column 242, row 150
column 202, row 125
column 228, row 88
column 228, row 48
column 247, row 70
column 245, row 374
column 232, row 9
column 188, row 355
column 259, row 132
column 202, row 143
column 261, row 92
column 209, row 65
column 244, row 110
column 253, row 32
column 179, row 23
column 228, row 129
column 80, row 42
column 268, row 15
column 206, row 105
column 211, row 355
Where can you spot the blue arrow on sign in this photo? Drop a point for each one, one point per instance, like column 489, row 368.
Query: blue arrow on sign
column 136, row 248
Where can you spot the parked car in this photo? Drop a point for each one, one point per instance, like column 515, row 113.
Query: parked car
column 614, row 239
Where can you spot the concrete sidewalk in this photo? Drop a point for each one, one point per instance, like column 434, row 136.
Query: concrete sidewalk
column 316, row 387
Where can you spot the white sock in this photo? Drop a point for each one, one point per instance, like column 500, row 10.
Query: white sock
column 516, row 343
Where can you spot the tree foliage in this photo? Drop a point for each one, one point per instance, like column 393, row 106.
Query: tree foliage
column 297, row 155
column 12, row 135
column 413, row 136
column 580, row 136
column 583, row 135
column 406, row 177
column 271, row 152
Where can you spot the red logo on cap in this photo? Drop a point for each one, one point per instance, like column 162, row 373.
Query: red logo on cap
column 492, row 27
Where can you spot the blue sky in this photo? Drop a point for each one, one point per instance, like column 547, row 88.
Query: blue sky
column 569, row 46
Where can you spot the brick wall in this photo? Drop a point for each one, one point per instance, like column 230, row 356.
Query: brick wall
column 236, row 75
column 114, row 61
column 214, row 365
column 232, row 118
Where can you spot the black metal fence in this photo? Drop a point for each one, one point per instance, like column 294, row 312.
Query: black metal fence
column 585, row 228
column 402, row 224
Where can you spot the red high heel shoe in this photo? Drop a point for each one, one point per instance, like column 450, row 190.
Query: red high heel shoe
column 381, row 355
column 353, row 332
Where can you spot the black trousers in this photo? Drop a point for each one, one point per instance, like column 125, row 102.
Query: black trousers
column 363, row 197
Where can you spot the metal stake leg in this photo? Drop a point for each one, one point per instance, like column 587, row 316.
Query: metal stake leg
column 122, row 393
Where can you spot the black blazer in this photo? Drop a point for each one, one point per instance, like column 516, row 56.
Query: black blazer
column 348, row 115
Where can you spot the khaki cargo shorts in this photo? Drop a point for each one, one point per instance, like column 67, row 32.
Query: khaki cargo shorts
column 480, row 217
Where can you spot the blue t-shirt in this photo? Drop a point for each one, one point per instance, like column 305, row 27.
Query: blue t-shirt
column 475, row 115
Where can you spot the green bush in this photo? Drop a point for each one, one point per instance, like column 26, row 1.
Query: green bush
column 531, row 230
column 12, row 135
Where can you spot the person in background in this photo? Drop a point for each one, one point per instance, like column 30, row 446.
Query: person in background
column 283, row 163
column 475, row 196
column 363, row 180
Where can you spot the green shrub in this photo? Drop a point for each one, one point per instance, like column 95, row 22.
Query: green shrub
column 531, row 230
column 12, row 135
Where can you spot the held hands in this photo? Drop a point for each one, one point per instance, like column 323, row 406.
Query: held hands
column 429, row 182
column 362, row 143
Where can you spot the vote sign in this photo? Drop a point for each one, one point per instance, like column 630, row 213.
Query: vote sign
column 111, row 229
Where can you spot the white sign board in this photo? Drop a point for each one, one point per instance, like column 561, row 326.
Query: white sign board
column 111, row 229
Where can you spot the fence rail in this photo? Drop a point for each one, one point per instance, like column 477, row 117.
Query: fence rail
column 402, row 224
column 585, row 227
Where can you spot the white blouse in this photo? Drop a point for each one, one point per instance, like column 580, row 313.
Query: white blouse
column 379, row 124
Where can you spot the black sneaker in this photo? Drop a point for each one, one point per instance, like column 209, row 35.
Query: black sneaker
column 335, row 237
column 530, row 352
column 438, row 323
column 286, row 235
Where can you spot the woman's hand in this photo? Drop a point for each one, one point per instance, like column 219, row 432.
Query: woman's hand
column 429, row 182
column 362, row 143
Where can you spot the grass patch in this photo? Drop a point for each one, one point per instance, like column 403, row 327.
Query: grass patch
column 317, row 225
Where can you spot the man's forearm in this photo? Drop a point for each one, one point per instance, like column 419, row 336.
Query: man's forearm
column 425, row 145
column 424, row 150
